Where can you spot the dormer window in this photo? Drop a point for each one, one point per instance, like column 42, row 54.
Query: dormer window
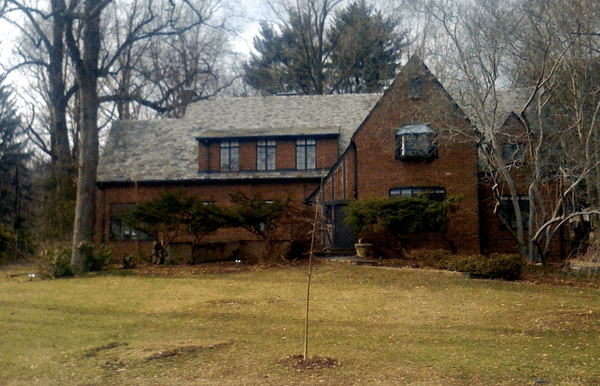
column 305, row 154
column 230, row 156
column 416, row 141
column 265, row 155
column 415, row 87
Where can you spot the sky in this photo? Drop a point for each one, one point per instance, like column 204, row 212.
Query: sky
column 252, row 10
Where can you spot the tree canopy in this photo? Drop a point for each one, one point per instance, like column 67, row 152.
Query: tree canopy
column 356, row 52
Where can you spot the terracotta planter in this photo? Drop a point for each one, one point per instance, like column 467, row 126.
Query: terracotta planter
column 364, row 250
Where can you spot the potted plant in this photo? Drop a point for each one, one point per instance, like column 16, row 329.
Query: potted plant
column 364, row 250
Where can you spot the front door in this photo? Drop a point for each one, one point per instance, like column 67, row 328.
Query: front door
column 343, row 236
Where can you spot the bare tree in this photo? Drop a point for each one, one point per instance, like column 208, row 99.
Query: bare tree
column 164, row 70
column 498, row 44
column 45, row 29
column 110, row 54
column 85, row 50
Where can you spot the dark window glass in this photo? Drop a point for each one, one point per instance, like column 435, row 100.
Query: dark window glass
column 230, row 156
column 305, row 154
column 265, row 155
column 416, row 141
column 433, row 193
column 513, row 153
column 508, row 213
column 415, row 87
column 118, row 230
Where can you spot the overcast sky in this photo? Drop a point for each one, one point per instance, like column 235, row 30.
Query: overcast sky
column 253, row 11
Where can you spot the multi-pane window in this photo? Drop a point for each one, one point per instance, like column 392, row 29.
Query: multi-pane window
column 433, row 193
column 416, row 141
column 265, row 155
column 508, row 213
column 118, row 230
column 230, row 156
column 305, row 154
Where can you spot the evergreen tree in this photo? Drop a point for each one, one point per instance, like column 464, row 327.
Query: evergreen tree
column 356, row 53
column 365, row 49
column 12, row 172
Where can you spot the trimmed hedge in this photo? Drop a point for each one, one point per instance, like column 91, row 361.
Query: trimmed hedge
column 497, row 266
column 504, row 267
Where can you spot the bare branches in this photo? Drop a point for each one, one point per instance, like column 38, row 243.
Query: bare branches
column 537, row 46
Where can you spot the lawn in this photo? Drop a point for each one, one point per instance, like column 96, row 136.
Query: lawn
column 378, row 326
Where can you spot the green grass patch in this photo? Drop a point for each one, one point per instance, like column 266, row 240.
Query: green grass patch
column 379, row 327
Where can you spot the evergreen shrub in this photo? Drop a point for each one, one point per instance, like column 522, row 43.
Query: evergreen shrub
column 95, row 259
column 55, row 261
column 497, row 266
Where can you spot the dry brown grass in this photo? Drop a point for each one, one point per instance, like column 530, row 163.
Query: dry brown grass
column 223, row 326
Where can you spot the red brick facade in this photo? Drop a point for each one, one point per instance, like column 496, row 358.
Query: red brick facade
column 213, row 192
column 373, row 165
column 371, row 168
column 209, row 153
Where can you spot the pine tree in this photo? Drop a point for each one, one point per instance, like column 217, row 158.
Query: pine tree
column 12, row 170
column 356, row 53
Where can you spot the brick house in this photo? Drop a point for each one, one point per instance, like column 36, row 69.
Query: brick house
column 324, row 149
column 416, row 140
column 278, row 147
column 495, row 193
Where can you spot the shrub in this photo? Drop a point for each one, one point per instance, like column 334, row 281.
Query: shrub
column 468, row 264
column 62, row 267
column 95, row 259
column 439, row 259
column 504, row 267
column 56, row 262
column 7, row 240
column 128, row 262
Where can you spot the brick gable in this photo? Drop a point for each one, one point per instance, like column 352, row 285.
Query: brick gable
column 370, row 167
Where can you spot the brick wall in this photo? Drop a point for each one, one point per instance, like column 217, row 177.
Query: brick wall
column 205, row 191
column 378, row 170
column 496, row 239
column 209, row 156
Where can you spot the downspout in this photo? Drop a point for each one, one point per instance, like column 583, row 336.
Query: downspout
column 344, row 180
column 355, row 190
column 137, row 201
column 207, row 157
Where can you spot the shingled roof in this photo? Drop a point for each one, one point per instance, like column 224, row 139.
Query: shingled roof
column 167, row 149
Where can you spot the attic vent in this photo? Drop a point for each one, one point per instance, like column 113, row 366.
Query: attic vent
column 415, row 87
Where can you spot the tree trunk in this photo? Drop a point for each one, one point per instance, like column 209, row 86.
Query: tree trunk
column 58, row 116
column 87, row 76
